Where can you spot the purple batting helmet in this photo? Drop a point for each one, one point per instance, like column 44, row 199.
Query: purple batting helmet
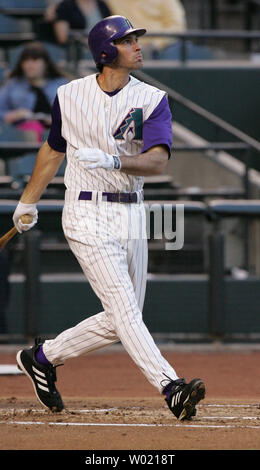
column 102, row 35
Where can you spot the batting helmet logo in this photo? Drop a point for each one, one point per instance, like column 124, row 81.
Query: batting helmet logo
column 102, row 35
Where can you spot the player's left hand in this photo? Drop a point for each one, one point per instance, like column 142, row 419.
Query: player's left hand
column 98, row 158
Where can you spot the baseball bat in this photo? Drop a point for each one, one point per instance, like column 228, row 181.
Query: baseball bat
column 26, row 219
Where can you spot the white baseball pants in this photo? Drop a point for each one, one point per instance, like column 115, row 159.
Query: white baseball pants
column 109, row 241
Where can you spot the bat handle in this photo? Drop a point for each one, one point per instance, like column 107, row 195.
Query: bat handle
column 8, row 236
column 26, row 219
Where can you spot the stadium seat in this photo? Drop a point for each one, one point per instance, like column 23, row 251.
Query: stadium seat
column 13, row 134
column 14, row 25
column 23, row 4
column 19, row 167
column 13, row 55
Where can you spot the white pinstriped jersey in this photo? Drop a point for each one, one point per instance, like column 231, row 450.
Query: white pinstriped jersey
column 93, row 119
column 109, row 240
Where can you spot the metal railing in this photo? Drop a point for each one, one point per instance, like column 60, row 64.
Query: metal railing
column 245, row 144
column 195, row 108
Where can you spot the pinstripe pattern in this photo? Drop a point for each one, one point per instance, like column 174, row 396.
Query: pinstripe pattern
column 89, row 119
column 107, row 238
column 116, row 269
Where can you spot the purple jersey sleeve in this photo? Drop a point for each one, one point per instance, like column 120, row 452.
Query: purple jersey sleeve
column 157, row 129
column 55, row 139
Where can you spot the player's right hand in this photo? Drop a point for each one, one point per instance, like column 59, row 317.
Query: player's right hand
column 23, row 209
column 97, row 158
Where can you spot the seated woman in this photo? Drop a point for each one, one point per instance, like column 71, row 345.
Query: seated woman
column 29, row 91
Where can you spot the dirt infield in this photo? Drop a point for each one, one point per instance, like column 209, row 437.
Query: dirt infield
column 110, row 405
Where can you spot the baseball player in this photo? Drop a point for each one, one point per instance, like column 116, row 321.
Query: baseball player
column 114, row 130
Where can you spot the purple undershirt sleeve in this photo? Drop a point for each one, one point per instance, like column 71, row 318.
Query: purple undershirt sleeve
column 55, row 139
column 157, row 129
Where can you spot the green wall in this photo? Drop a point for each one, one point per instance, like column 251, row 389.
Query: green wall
column 231, row 93
column 171, row 306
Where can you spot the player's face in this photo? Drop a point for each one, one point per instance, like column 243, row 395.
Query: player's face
column 129, row 53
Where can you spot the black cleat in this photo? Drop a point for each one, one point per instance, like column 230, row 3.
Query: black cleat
column 43, row 378
column 182, row 398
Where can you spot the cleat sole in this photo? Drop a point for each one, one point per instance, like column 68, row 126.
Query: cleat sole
column 197, row 393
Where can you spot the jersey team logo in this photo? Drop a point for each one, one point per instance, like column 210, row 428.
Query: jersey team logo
column 132, row 124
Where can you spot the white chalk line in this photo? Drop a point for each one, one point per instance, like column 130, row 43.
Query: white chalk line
column 231, row 417
column 89, row 411
column 252, row 405
column 4, row 411
column 43, row 411
column 115, row 408
column 29, row 423
column 105, row 410
column 21, row 411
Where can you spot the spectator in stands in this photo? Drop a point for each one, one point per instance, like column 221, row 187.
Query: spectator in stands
column 50, row 11
column 27, row 95
column 78, row 15
column 167, row 16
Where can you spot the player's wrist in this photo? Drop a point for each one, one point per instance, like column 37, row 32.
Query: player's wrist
column 26, row 208
column 117, row 162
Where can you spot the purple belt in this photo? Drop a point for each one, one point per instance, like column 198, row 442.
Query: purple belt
column 112, row 197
